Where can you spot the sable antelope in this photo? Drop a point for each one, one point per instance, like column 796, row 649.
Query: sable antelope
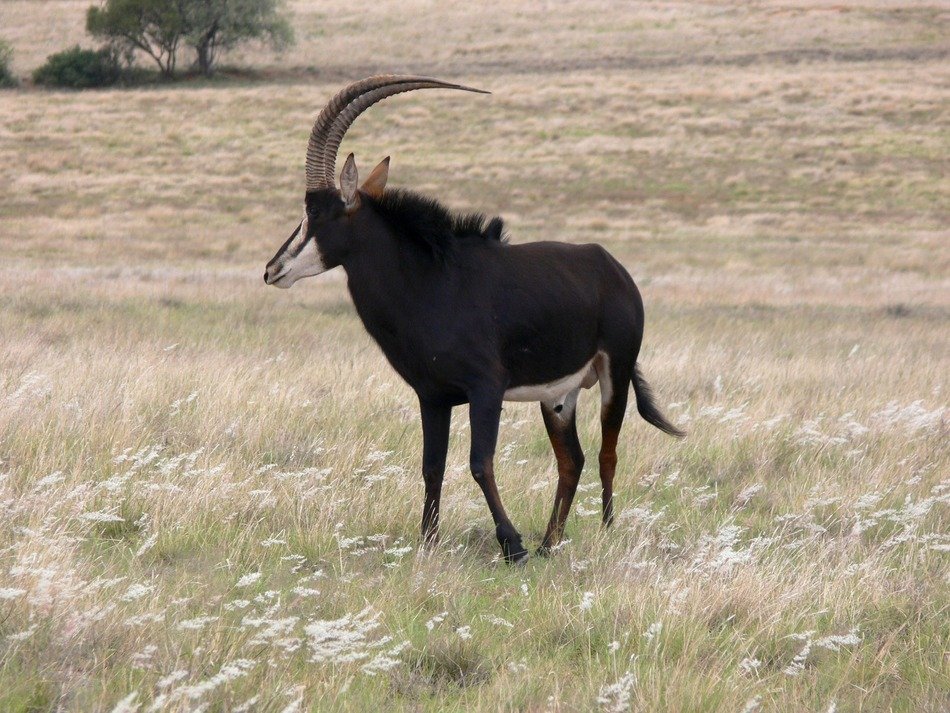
column 465, row 317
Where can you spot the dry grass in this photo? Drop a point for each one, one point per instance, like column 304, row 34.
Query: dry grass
column 169, row 428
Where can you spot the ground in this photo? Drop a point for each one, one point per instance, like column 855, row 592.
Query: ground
column 210, row 489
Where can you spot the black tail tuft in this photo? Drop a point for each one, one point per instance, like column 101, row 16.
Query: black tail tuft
column 648, row 408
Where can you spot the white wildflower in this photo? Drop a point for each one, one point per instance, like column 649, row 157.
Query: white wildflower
column 345, row 543
column 136, row 591
column 385, row 660
column 23, row 635
column 752, row 705
column 436, row 620
column 836, row 641
column 587, row 601
column 702, row 497
column 229, row 672
column 718, row 552
column 749, row 665
column 143, row 658
column 127, row 704
column 101, row 517
column 51, row 479
column 172, row 678
column 33, row 386
column 248, row 579
column 653, row 631
column 197, row 623
column 644, row 516
column 248, row 705
column 743, row 498
column 868, row 500
column 293, row 706
column 497, row 621
column 464, row 632
column 273, row 630
column 147, row 545
column 11, row 592
column 771, row 423
column 377, row 456
column 798, row 663
column 342, row 640
column 911, row 418
column 399, row 552
column 735, row 415
column 178, row 403
column 615, row 697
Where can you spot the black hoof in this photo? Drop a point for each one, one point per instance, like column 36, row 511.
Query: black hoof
column 517, row 557
column 514, row 551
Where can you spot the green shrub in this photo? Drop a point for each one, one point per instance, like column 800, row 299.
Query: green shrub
column 6, row 75
column 77, row 68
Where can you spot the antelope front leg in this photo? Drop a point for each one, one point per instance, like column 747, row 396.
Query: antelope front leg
column 436, row 420
column 484, row 414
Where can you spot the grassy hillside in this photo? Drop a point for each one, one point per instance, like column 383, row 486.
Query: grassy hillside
column 210, row 490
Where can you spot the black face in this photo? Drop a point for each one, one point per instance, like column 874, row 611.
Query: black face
column 315, row 246
column 327, row 225
column 325, row 204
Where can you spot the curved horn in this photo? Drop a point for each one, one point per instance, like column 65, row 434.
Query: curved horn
column 341, row 111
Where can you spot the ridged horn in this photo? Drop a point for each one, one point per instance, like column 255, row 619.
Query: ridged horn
column 341, row 111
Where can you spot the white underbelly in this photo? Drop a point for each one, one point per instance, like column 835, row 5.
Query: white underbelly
column 555, row 391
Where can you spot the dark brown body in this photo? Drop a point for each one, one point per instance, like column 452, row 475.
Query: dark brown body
column 478, row 320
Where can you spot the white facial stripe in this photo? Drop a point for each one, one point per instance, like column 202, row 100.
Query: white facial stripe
column 301, row 236
column 309, row 261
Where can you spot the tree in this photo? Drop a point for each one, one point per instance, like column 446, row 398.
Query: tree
column 158, row 27
column 155, row 27
column 218, row 25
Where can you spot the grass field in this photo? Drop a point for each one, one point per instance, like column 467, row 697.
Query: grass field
column 210, row 490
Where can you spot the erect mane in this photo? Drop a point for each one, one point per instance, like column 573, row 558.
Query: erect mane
column 429, row 223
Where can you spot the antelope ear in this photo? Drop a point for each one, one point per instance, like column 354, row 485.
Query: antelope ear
column 376, row 183
column 349, row 179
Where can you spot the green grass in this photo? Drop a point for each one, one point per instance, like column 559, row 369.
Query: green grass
column 267, row 470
